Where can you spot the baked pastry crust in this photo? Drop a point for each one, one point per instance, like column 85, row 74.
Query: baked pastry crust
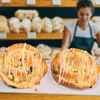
column 75, row 68
column 22, row 66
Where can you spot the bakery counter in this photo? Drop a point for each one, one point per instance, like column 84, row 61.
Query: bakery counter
column 37, row 36
column 13, row 96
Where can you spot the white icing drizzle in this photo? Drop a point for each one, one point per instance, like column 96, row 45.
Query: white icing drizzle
column 84, row 55
column 68, row 60
column 71, row 68
column 91, row 72
column 40, row 65
column 60, row 71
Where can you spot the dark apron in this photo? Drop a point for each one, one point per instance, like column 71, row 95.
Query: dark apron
column 82, row 42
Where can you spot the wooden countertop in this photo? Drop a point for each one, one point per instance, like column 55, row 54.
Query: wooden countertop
column 4, row 96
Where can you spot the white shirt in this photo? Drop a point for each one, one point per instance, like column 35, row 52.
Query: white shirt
column 81, row 33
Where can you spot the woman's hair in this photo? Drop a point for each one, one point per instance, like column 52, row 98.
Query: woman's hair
column 85, row 3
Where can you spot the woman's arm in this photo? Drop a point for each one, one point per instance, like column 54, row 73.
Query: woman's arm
column 98, row 37
column 65, row 41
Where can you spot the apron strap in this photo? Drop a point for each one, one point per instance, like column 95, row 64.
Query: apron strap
column 89, row 28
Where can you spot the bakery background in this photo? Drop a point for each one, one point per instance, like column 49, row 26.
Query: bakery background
column 50, row 12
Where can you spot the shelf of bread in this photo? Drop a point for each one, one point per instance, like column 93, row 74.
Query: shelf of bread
column 39, row 36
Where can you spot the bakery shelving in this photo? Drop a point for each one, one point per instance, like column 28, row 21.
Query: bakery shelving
column 41, row 3
column 39, row 36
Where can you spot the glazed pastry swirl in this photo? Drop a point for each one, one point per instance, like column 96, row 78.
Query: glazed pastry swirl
column 22, row 66
column 75, row 68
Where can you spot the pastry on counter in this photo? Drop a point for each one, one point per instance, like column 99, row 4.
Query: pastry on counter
column 75, row 68
column 4, row 24
column 22, row 66
column 14, row 24
column 46, row 25
column 44, row 49
column 58, row 24
column 37, row 25
column 30, row 14
column 25, row 26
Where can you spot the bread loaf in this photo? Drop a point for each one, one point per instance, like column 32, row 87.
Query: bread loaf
column 30, row 14
column 44, row 49
column 14, row 24
column 58, row 24
column 37, row 25
column 25, row 26
column 46, row 25
column 4, row 24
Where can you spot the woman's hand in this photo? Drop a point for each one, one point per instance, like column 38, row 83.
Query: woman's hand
column 98, row 37
column 65, row 41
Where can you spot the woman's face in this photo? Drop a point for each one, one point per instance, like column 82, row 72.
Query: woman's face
column 84, row 15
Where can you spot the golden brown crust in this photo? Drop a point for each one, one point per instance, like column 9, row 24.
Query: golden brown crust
column 4, row 24
column 22, row 66
column 30, row 14
column 46, row 25
column 14, row 24
column 75, row 68
column 58, row 24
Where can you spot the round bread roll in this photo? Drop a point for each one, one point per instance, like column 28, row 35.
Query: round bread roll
column 58, row 24
column 14, row 25
column 25, row 26
column 95, row 46
column 54, row 52
column 22, row 66
column 97, row 52
column 44, row 49
column 46, row 25
column 3, row 48
column 95, row 19
column 37, row 25
column 98, row 59
column 75, row 68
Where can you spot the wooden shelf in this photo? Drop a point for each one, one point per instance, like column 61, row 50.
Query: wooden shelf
column 39, row 36
column 40, row 3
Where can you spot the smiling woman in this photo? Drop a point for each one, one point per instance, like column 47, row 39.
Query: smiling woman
column 79, row 33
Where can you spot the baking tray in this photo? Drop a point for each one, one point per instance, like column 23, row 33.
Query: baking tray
column 49, row 86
